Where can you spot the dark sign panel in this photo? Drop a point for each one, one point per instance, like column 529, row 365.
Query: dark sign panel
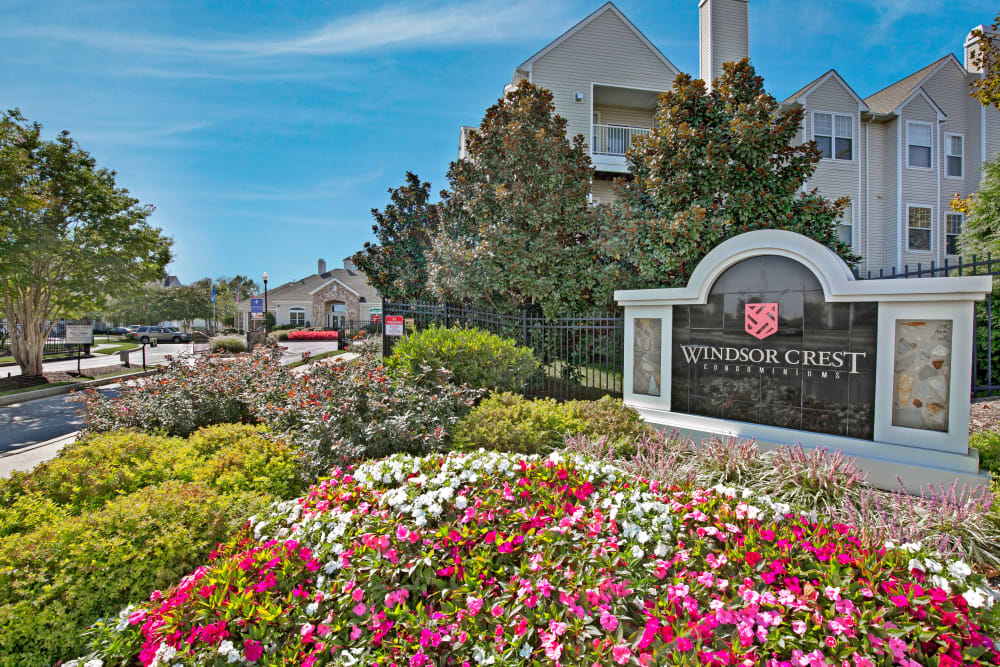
column 768, row 348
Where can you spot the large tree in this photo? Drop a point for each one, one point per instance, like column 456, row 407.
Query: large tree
column 397, row 265
column 717, row 164
column 981, row 228
column 69, row 236
column 517, row 227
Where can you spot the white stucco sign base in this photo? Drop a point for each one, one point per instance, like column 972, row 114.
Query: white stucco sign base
column 773, row 339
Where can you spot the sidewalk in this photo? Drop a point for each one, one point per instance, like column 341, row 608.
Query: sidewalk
column 29, row 457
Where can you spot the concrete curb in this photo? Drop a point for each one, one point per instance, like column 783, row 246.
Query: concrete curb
column 58, row 440
column 30, row 457
column 25, row 396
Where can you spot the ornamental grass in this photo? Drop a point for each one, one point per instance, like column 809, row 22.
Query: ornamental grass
column 504, row 559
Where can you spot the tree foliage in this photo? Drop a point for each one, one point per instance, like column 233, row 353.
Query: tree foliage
column 397, row 265
column 69, row 236
column 717, row 164
column 986, row 58
column 517, row 229
column 154, row 303
column 981, row 228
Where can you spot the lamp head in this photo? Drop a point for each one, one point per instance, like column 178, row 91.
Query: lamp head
column 265, row 276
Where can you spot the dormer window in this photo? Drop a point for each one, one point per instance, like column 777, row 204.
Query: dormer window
column 834, row 135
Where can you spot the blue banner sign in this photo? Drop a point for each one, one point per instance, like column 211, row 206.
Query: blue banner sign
column 257, row 305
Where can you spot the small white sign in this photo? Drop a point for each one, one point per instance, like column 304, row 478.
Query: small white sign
column 79, row 334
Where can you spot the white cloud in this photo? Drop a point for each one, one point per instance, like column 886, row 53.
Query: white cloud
column 393, row 27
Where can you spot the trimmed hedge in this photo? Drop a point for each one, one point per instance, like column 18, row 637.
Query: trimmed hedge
column 118, row 515
column 474, row 357
column 509, row 423
column 229, row 344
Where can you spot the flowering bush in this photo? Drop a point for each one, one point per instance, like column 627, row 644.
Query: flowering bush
column 474, row 357
column 312, row 335
column 501, row 559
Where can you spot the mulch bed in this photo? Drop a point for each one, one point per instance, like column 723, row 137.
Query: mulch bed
column 21, row 382
column 984, row 415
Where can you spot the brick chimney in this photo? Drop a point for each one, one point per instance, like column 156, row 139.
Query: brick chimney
column 321, row 266
column 723, row 35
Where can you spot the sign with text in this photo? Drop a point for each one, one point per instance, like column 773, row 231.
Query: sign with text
column 768, row 348
column 79, row 334
column 394, row 325
column 257, row 305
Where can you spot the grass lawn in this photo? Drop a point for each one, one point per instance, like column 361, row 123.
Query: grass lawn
column 118, row 348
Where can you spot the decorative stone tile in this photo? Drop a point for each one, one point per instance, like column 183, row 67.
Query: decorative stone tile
column 646, row 362
column 922, row 374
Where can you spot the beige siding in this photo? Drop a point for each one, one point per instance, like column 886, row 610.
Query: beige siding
column 871, row 213
column 704, row 43
column 893, row 219
column 730, row 33
column 625, row 116
column 992, row 134
column 602, row 190
column 604, row 51
column 837, row 178
column 920, row 185
column 948, row 90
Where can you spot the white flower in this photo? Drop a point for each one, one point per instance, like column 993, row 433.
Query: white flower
column 311, row 610
column 974, row 598
column 941, row 583
column 959, row 569
column 643, row 537
column 660, row 550
column 225, row 647
column 461, row 503
column 933, row 565
column 637, row 552
column 96, row 662
column 72, row 663
column 915, row 564
column 525, row 651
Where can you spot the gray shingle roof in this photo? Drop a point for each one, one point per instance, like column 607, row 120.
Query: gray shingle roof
column 888, row 99
column 299, row 290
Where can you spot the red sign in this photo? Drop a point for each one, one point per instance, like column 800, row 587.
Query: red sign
column 761, row 319
column 394, row 325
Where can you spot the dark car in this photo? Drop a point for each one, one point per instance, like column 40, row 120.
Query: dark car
column 117, row 331
column 160, row 334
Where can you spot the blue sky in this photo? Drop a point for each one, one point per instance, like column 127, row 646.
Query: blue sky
column 265, row 132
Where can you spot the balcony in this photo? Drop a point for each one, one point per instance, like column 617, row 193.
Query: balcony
column 610, row 143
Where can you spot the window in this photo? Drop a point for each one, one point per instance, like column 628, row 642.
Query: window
column 845, row 226
column 952, row 229
column 954, row 151
column 919, row 228
column 297, row 316
column 834, row 135
column 918, row 145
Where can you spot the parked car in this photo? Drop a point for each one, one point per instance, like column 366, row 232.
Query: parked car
column 117, row 331
column 160, row 334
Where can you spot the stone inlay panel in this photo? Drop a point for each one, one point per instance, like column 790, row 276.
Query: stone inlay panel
column 922, row 374
column 646, row 370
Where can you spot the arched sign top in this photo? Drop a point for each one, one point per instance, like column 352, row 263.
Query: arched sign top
column 833, row 274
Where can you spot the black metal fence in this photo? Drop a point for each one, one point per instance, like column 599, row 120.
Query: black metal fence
column 581, row 357
column 986, row 352
column 53, row 347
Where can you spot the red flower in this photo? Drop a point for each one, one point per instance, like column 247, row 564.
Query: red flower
column 752, row 558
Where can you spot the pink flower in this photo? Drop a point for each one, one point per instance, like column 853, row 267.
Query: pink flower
column 898, row 648
column 357, row 595
column 418, row 660
column 497, row 611
column 360, row 609
column 684, row 644
column 474, row 605
column 799, row 627
column 553, row 651
column 545, row 588
column 609, row 621
column 621, row 654
column 253, row 650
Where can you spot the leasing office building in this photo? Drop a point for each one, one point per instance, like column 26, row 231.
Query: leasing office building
column 898, row 154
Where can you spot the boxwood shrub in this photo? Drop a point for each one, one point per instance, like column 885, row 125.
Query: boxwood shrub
column 474, row 357
column 118, row 515
column 509, row 423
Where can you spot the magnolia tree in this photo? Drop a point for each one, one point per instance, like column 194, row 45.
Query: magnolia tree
column 397, row 265
column 516, row 226
column 69, row 237
column 717, row 164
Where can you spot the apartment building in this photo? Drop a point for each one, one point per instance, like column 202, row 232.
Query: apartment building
column 898, row 154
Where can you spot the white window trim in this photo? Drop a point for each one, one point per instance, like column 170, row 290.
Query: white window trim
column 946, row 155
column 295, row 310
column 930, row 250
column 906, row 146
column 947, row 233
column 833, row 148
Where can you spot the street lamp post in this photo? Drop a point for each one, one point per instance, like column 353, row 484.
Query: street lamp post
column 265, row 303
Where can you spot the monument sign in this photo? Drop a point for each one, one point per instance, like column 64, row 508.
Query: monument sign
column 774, row 340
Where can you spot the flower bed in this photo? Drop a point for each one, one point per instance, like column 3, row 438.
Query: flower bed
column 312, row 335
column 501, row 559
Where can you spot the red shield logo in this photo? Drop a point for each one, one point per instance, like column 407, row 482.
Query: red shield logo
column 761, row 319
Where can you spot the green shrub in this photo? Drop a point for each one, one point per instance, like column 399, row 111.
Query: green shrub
column 509, row 423
column 63, row 575
column 282, row 336
column 475, row 358
column 988, row 444
column 229, row 344
column 120, row 514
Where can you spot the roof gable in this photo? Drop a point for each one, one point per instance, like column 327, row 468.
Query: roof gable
column 800, row 96
column 607, row 7
column 891, row 98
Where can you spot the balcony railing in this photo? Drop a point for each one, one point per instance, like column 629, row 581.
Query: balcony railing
column 615, row 139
